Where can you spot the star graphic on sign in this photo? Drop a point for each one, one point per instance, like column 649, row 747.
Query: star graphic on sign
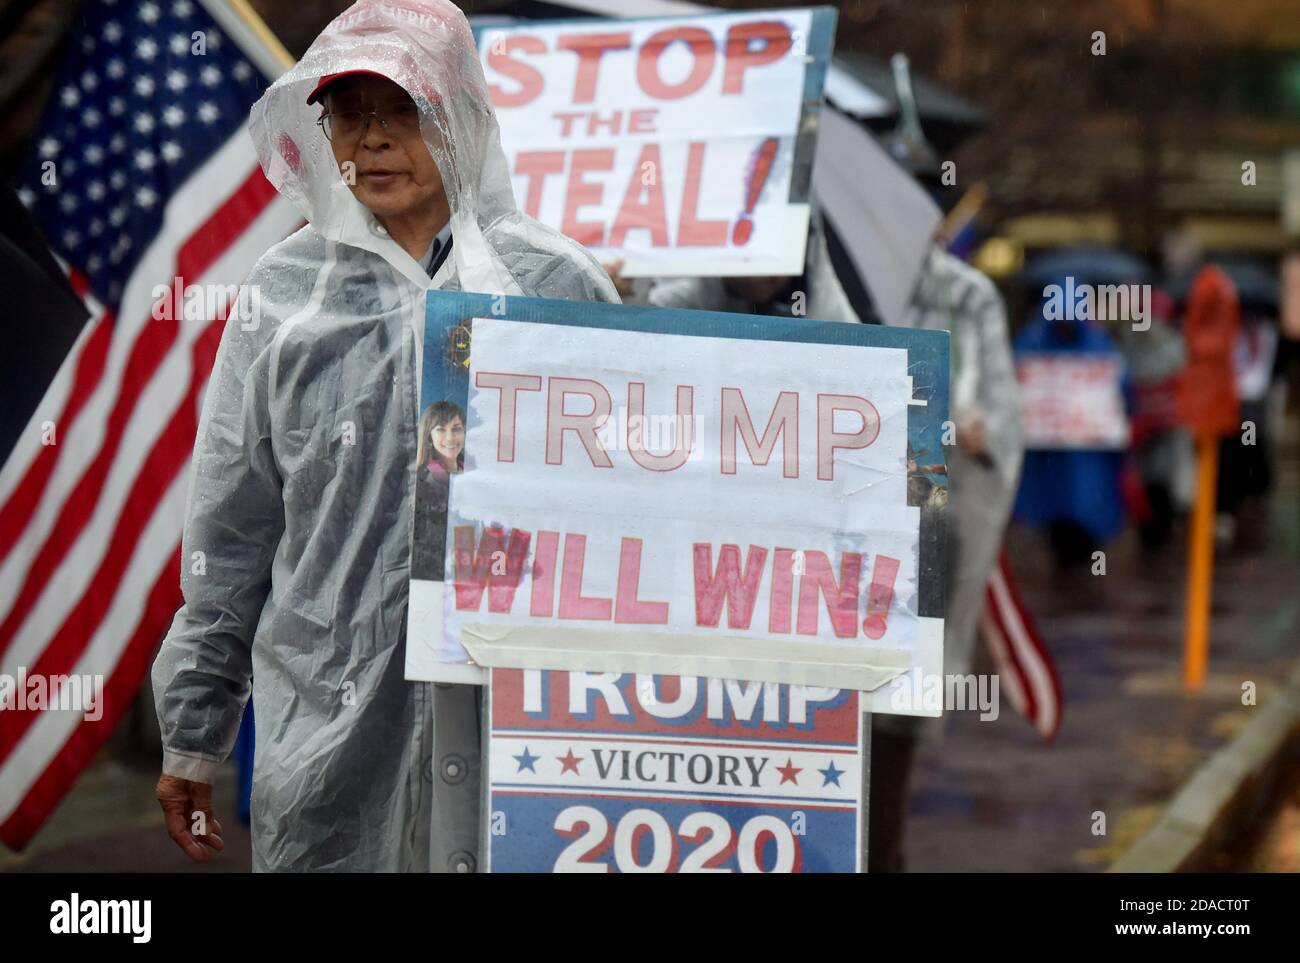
column 831, row 775
column 526, row 760
column 569, row 763
column 789, row 772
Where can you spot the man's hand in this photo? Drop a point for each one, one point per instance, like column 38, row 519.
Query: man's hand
column 615, row 271
column 971, row 436
column 187, row 811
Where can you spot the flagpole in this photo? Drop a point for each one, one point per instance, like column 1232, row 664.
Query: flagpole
column 250, row 32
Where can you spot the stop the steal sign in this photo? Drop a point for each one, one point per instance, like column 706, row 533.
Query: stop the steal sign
column 683, row 505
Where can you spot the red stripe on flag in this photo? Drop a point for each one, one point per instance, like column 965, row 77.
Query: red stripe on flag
column 1035, row 640
column 120, row 688
column 150, row 349
column 1009, row 661
column 164, row 462
column 225, row 226
column 1012, row 683
column 80, row 283
column 1022, row 648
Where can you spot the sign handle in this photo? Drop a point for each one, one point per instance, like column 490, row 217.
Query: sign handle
column 864, row 825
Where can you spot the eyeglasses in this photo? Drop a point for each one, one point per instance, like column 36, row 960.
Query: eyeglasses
column 346, row 126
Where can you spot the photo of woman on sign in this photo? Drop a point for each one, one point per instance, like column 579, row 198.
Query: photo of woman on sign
column 440, row 453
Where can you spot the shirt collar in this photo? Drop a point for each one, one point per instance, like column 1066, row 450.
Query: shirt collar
column 437, row 244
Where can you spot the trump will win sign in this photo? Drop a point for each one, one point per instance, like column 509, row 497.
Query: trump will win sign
column 602, row 772
column 682, row 493
column 682, row 144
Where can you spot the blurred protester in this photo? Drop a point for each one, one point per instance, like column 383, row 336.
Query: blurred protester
column 1071, row 484
column 1160, row 443
column 1245, row 464
column 984, row 464
column 1208, row 399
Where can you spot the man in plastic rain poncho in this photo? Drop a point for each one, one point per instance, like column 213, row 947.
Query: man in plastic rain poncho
column 297, row 546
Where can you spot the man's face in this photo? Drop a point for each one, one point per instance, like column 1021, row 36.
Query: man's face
column 395, row 173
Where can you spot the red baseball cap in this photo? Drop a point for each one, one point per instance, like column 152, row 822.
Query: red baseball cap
column 330, row 78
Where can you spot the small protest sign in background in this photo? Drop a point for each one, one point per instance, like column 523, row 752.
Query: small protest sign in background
column 1072, row 401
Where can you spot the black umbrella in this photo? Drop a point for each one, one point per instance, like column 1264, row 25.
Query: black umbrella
column 44, row 316
column 946, row 118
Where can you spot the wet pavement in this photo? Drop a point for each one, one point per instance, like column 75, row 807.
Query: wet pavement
column 1275, row 848
column 991, row 795
column 110, row 822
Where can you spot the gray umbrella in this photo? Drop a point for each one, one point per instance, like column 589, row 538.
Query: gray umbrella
column 1087, row 265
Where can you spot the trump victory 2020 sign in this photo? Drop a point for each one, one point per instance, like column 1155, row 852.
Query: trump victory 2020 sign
column 603, row 772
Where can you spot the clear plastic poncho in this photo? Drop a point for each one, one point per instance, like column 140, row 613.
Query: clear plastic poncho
column 952, row 296
column 296, row 551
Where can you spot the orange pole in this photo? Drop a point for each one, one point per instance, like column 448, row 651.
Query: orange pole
column 1200, row 563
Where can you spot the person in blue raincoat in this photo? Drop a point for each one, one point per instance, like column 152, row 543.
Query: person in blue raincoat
column 1071, row 489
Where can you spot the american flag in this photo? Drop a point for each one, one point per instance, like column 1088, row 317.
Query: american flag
column 141, row 172
column 1023, row 663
